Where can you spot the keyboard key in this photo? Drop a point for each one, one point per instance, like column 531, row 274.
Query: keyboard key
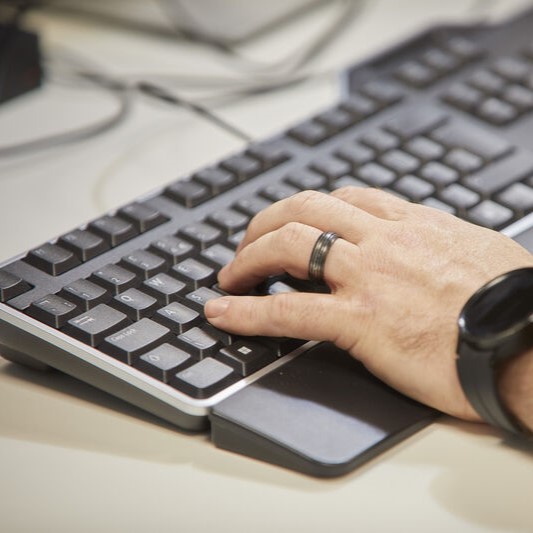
column 135, row 304
column 218, row 255
column 376, row 175
column 53, row 310
column 416, row 74
column 199, row 342
column 415, row 120
column 440, row 60
column 306, row 179
column 463, row 48
column 203, row 235
column 217, row 179
column 163, row 362
column 487, row 81
column 178, row 317
column 380, row 140
column 385, row 92
column 243, row 166
column 463, row 96
column 142, row 216
column 473, row 138
column 235, row 240
column 513, row 69
column 252, row 205
column 518, row 196
column 113, row 229
column 270, row 154
column 164, row 288
column 414, row 188
column 278, row 191
column 173, row 249
column 347, row 181
column 205, row 378
column 441, row 206
column 228, row 220
column 518, row 96
column 193, row 273
column 201, row 296
column 85, row 294
column 425, row 149
column 438, row 174
column 84, row 244
column 336, row 119
column 188, row 193
column 52, row 259
column 94, row 325
column 356, row 154
column 135, row 339
column 310, row 132
column 460, row 197
column 359, row 106
column 144, row 263
column 490, row 214
column 501, row 174
column 115, row 278
column 400, row 162
column 463, row 161
column 496, row 111
column 331, row 167
column 246, row 356
column 11, row 286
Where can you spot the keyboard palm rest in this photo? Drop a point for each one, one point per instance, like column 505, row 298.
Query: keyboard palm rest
column 322, row 414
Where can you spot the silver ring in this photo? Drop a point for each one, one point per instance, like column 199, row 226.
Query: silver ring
column 319, row 254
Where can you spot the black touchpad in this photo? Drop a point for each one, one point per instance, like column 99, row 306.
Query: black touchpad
column 322, row 414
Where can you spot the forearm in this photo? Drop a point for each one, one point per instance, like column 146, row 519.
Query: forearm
column 516, row 388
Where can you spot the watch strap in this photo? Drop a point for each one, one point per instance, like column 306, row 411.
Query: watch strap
column 479, row 383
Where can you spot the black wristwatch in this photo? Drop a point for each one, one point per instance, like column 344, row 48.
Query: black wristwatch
column 495, row 325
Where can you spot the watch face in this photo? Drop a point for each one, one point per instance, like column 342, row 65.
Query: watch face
column 500, row 307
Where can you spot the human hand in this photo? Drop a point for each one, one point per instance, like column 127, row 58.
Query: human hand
column 399, row 277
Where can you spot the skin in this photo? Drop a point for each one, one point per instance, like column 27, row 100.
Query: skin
column 399, row 276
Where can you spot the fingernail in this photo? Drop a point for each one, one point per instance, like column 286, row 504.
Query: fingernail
column 215, row 308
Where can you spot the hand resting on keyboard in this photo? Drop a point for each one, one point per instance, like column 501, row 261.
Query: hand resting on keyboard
column 399, row 276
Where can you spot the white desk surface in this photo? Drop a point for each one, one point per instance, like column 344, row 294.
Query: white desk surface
column 73, row 459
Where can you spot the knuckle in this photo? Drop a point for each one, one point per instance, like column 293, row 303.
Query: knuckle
column 281, row 308
column 290, row 235
column 304, row 201
column 346, row 193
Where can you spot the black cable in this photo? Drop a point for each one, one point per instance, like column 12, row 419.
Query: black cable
column 160, row 93
column 75, row 135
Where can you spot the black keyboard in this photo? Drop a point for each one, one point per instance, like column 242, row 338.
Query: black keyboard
column 446, row 120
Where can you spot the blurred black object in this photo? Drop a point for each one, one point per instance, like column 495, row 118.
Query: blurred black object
column 20, row 61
